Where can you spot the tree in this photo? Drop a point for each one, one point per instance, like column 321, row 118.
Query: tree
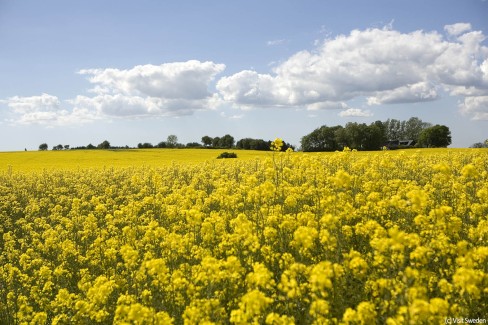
column 43, row 146
column 145, row 145
column 172, row 141
column 104, row 145
column 374, row 136
column 413, row 128
column 435, row 136
column 162, row 144
column 393, row 129
column 193, row 145
column 58, row 147
column 260, row 144
column 216, row 142
column 323, row 138
column 354, row 135
column 227, row 141
column 480, row 144
column 207, row 141
column 66, row 146
column 90, row 146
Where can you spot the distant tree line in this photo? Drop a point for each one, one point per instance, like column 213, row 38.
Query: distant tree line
column 480, row 144
column 391, row 133
column 377, row 135
column 225, row 142
column 259, row 144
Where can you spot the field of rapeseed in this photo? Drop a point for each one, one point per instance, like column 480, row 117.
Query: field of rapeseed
column 35, row 161
column 341, row 238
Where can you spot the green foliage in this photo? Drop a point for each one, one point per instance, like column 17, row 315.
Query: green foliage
column 404, row 130
column 193, row 145
column 145, row 145
column 43, row 146
column 361, row 136
column 227, row 155
column 259, row 144
column 172, row 141
column 104, row 145
column 437, row 136
column 207, row 141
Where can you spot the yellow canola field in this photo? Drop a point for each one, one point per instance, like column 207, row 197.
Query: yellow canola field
column 288, row 238
column 26, row 161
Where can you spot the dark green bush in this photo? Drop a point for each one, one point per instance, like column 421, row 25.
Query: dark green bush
column 227, row 155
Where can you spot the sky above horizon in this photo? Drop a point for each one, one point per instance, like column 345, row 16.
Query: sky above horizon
column 80, row 72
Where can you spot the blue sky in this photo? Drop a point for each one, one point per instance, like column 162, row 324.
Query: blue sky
column 79, row 72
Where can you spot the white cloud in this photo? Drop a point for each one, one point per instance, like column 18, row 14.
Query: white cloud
column 171, row 89
column 44, row 109
column 457, row 29
column 355, row 112
column 276, row 42
column 329, row 105
column 418, row 92
column 476, row 106
column 385, row 65
column 123, row 106
column 176, row 80
column 33, row 104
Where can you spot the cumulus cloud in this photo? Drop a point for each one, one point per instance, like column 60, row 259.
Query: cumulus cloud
column 457, row 29
column 355, row 112
column 33, row 104
column 170, row 89
column 415, row 93
column 44, row 109
column 176, row 80
column 384, row 65
column 476, row 106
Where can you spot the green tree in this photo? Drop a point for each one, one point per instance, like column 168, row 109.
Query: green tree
column 323, row 138
column 216, row 142
column 193, row 145
column 227, row 141
column 435, row 136
column 480, row 144
column 172, row 141
column 394, row 129
column 374, row 136
column 43, row 146
column 145, row 145
column 413, row 128
column 355, row 134
column 244, row 143
column 207, row 141
column 104, row 145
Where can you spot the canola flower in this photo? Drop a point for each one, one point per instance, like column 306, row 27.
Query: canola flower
column 344, row 238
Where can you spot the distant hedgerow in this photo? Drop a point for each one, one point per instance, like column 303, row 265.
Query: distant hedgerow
column 227, row 155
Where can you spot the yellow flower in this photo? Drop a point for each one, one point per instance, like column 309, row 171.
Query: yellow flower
column 277, row 144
